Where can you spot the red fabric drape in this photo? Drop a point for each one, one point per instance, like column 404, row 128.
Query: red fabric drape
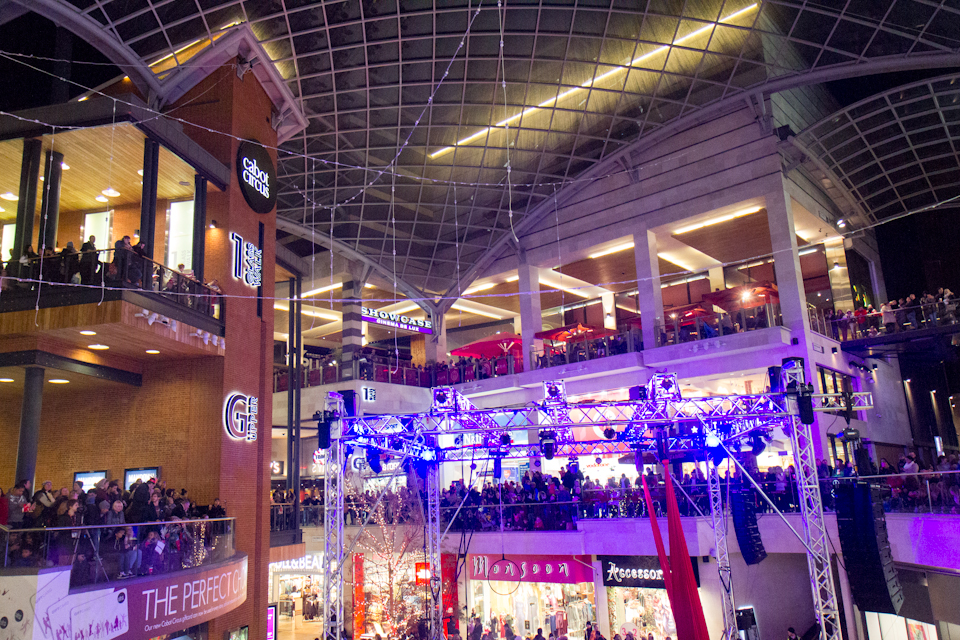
column 677, row 570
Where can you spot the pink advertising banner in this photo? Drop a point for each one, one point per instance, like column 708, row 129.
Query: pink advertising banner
column 136, row 609
column 526, row 568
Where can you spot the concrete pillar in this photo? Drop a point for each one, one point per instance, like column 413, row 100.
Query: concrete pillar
column 786, row 263
column 50, row 199
column 531, row 317
column 717, row 279
column 435, row 346
column 199, row 226
column 352, row 342
column 29, row 441
column 649, row 296
column 840, row 288
column 148, row 199
column 27, row 202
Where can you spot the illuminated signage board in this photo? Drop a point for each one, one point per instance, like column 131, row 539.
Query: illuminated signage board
column 396, row 320
column 369, row 394
column 313, row 562
column 271, row 622
column 247, row 261
column 276, row 467
column 258, row 177
column 240, row 416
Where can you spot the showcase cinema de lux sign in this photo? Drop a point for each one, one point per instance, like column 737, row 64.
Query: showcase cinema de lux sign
column 396, row 320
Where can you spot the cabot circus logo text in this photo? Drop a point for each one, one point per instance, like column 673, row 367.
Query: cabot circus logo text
column 240, row 416
column 255, row 176
column 395, row 319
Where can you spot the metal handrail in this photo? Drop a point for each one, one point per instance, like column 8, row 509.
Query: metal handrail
column 8, row 529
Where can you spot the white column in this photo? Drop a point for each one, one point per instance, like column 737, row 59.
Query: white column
column 608, row 301
column 786, row 263
column 531, row 319
column 352, row 326
column 649, row 297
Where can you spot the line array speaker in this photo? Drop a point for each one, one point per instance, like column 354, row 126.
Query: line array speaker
column 743, row 506
column 866, row 548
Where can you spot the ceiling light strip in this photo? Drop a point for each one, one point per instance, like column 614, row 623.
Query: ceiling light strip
column 590, row 83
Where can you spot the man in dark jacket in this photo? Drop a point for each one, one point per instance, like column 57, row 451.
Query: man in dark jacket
column 89, row 258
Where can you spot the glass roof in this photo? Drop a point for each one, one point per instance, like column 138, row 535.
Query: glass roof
column 895, row 152
column 411, row 138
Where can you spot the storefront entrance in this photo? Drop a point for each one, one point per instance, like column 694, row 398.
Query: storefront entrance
column 526, row 593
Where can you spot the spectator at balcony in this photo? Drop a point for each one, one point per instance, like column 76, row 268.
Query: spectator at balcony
column 152, row 511
column 89, row 260
column 99, row 515
column 50, row 266
column 16, row 501
column 900, row 314
column 889, row 317
column 122, row 257
column 216, row 510
column 181, row 509
column 70, row 260
column 950, row 306
column 115, row 516
column 910, row 464
column 125, row 545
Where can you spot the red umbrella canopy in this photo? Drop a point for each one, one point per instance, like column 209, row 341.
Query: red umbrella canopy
column 491, row 346
column 686, row 314
column 574, row 331
column 746, row 296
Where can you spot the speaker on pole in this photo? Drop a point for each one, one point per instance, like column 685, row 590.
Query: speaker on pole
column 862, row 525
column 743, row 504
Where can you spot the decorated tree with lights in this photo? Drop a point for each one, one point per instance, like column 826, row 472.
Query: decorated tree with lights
column 392, row 544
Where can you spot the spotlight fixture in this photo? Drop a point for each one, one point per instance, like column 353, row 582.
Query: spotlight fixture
column 101, row 199
column 841, row 223
column 548, row 444
column 153, row 352
column 836, row 265
column 505, row 440
column 88, row 332
column 213, row 224
column 757, row 445
column 609, row 433
column 9, row 196
column 110, row 192
column 98, row 347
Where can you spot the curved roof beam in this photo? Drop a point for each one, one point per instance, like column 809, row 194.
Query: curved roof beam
column 66, row 15
column 289, row 226
column 829, row 74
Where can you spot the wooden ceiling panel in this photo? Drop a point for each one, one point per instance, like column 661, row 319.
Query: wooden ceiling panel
column 736, row 240
column 98, row 158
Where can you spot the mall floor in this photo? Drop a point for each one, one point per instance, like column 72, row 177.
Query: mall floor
column 297, row 629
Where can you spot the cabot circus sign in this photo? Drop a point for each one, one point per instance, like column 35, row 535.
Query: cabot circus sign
column 258, row 177
column 395, row 320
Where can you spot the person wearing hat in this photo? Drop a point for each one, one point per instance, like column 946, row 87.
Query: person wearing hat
column 70, row 260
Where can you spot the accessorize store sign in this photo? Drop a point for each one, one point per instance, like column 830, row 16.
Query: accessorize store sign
column 257, row 175
column 396, row 320
column 553, row 569
column 636, row 571
column 136, row 610
column 240, row 416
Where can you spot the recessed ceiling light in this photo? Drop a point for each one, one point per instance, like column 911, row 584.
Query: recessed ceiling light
column 59, row 381
column 64, row 166
column 110, row 192
column 9, row 196
column 152, row 352
column 139, row 172
column 98, row 347
column 102, row 199
column 6, row 379
column 87, row 332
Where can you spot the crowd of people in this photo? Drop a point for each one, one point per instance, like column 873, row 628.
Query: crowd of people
column 895, row 316
column 556, row 502
column 130, row 266
column 106, row 531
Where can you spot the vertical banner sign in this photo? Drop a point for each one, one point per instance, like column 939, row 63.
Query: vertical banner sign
column 359, row 620
column 271, row 622
column 247, row 261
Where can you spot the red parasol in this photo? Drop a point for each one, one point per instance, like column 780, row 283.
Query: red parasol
column 746, row 296
column 571, row 332
column 491, row 347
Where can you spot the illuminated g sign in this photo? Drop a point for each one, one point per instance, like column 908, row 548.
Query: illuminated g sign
column 240, row 416
column 257, row 176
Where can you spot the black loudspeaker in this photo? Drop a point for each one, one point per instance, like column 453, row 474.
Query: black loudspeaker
column 349, row 402
column 866, row 549
column 744, row 508
column 776, row 383
column 638, row 393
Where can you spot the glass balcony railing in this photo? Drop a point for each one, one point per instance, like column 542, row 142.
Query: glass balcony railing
column 102, row 554
column 74, row 275
column 702, row 325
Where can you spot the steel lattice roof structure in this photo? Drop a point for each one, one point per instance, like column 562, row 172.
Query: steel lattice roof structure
column 410, row 139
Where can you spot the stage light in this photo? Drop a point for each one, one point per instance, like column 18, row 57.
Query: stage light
column 440, row 397
column 506, row 440
column 609, row 433
column 757, row 445
column 373, row 460
column 573, row 466
column 548, row 444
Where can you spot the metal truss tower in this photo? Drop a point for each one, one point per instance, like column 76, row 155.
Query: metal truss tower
column 719, row 518
column 333, row 516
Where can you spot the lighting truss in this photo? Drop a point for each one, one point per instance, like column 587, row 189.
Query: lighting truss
column 456, row 430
